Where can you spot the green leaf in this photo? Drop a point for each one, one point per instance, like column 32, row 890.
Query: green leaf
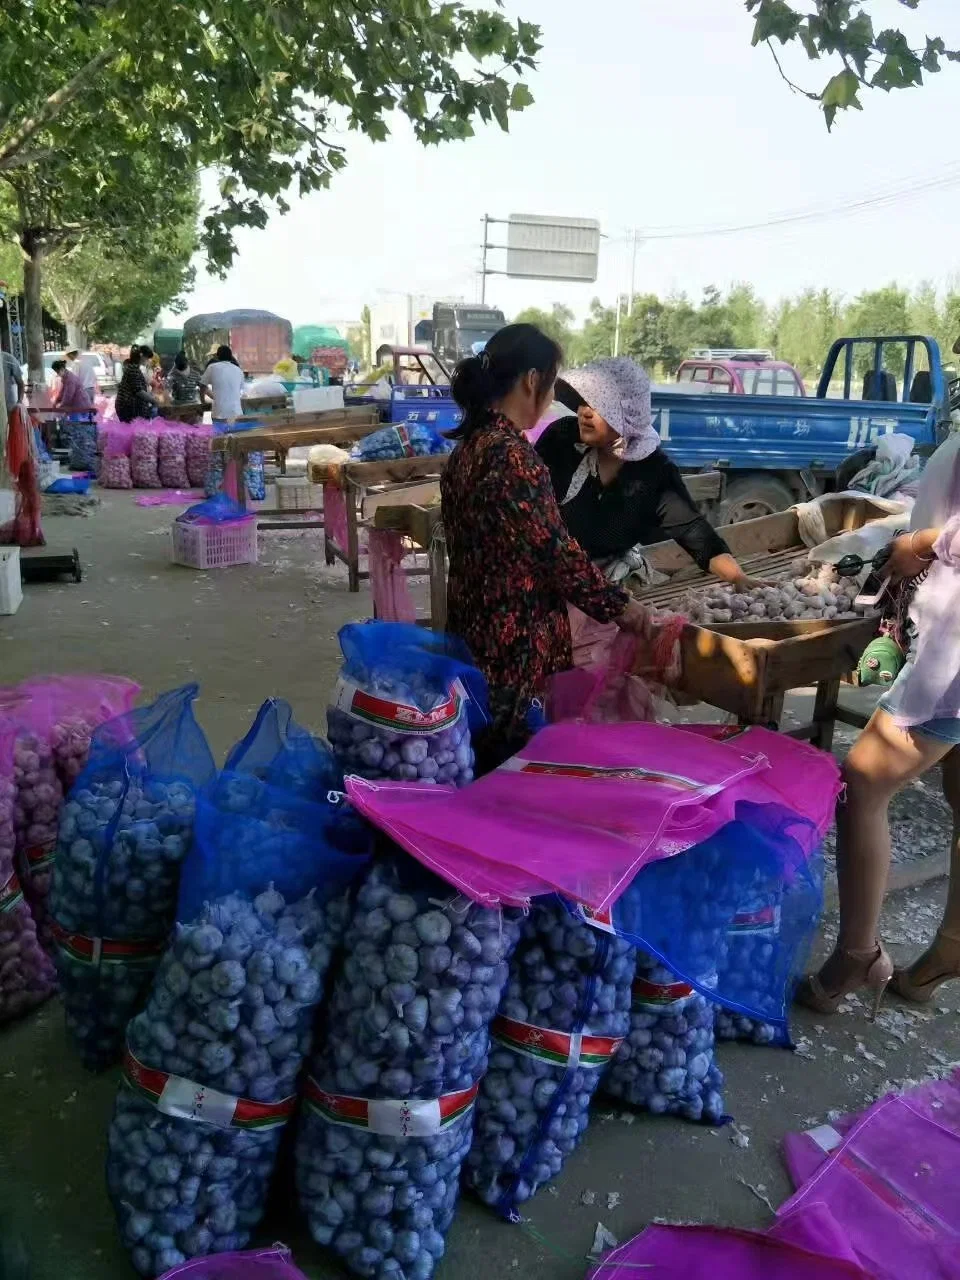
column 520, row 97
column 775, row 20
column 841, row 91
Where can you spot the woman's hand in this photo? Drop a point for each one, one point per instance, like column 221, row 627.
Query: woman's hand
column 911, row 554
column 746, row 583
column 634, row 618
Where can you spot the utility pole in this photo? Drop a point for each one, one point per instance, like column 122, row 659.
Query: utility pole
column 633, row 273
column 483, row 264
column 616, row 328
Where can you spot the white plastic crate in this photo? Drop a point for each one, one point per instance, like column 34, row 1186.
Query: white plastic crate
column 214, row 546
column 11, row 592
column 296, row 493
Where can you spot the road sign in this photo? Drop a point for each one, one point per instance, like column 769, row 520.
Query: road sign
column 551, row 248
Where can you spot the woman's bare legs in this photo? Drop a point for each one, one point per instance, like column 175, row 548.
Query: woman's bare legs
column 941, row 960
column 882, row 760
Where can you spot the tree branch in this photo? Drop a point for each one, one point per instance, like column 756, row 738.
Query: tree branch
column 52, row 107
column 806, row 93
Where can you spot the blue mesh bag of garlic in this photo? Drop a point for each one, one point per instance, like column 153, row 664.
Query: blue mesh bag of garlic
column 406, row 703
column 388, row 1103
column 209, row 1077
column 564, row 1014
column 404, row 440
column 666, row 1061
column 125, row 829
column 284, row 754
column 687, row 909
column 750, row 948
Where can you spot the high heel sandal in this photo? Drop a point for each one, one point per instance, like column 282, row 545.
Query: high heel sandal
column 923, row 992
column 874, row 969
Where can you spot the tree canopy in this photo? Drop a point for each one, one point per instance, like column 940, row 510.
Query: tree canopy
column 557, row 323
column 261, row 93
column 842, row 32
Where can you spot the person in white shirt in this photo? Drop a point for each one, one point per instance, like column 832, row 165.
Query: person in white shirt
column 223, row 379
column 84, row 367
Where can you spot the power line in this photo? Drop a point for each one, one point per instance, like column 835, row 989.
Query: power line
column 878, row 200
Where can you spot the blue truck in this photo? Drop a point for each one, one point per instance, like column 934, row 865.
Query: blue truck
column 777, row 450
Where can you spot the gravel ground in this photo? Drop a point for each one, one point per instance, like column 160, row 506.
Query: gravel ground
column 268, row 629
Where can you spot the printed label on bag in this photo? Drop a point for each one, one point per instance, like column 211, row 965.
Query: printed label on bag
column 589, row 772
column 759, row 918
column 40, row 856
column 11, row 895
column 187, row 1100
column 602, row 920
column 85, row 950
column 659, row 995
column 406, row 444
column 578, row 1049
column 396, row 1118
column 401, row 716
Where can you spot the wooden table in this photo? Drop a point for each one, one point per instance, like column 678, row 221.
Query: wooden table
column 747, row 668
column 189, row 414
column 363, row 488
column 285, row 431
column 281, row 432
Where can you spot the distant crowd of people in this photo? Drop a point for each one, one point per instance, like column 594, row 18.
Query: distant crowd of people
column 219, row 385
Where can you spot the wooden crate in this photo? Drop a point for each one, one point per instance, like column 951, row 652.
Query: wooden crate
column 749, row 674
column 746, row 668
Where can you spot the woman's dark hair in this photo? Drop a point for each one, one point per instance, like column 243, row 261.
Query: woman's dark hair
column 134, row 355
column 146, row 353
column 58, row 366
column 480, row 381
column 224, row 353
column 180, row 361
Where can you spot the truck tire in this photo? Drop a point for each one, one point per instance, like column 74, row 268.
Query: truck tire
column 751, row 496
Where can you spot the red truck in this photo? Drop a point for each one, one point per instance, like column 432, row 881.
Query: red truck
column 740, row 373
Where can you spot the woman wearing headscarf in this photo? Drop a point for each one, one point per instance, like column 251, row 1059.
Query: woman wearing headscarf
column 617, row 489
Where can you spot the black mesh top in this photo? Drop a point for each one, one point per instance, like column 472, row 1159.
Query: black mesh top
column 647, row 502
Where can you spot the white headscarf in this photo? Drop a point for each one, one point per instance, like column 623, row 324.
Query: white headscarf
column 619, row 390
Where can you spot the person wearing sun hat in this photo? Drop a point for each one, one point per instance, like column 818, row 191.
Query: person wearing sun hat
column 617, row 489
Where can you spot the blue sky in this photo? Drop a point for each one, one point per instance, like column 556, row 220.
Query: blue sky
column 648, row 114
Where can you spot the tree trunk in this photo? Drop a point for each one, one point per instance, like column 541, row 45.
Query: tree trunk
column 33, row 310
column 76, row 338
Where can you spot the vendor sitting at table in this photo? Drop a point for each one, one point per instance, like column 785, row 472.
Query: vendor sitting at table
column 616, row 488
column 70, row 396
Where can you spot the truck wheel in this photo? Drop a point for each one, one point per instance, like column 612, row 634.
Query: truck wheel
column 753, row 496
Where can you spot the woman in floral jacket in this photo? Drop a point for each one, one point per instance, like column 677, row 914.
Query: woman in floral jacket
column 513, row 565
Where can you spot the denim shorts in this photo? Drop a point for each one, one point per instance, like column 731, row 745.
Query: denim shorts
column 944, row 729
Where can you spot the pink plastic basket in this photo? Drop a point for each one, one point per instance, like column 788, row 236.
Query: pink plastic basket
column 214, row 546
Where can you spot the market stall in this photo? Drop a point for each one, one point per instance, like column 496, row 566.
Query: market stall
column 417, row 519
column 384, row 1022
